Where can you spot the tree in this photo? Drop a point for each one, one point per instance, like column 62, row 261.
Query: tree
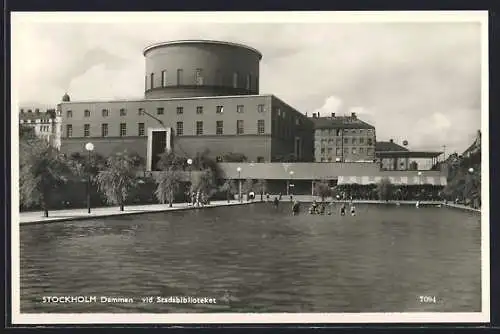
column 118, row 178
column 385, row 189
column 322, row 189
column 230, row 188
column 171, row 160
column 261, row 187
column 42, row 172
column 204, row 182
column 247, row 186
column 168, row 182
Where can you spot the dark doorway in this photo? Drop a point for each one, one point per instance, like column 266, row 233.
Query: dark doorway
column 159, row 144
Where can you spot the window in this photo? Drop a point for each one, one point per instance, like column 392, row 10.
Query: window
column 361, row 150
column 353, row 150
column 361, row 140
column 297, row 121
column 180, row 128
column 369, row 141
column 69, row 113
column 86, row 113
column 22, row 110
column 104, row 130
column 322, row 150
column 198, row 77
column 141, row 111
column 219, row 109
column 249, row 82
column 240, row 127
column 105, row 113
column 235, row 80
column 278, row 111
column 179, row 77
column 123, row 112
column 353, row 141
column 199, row 128
column 329, row 150
column 346, row 150
column 69, row 130
column 180, row 110
column 163, row 78
column 260, row 126
column 338, row 141
column 37, row 110
column 338, row 151
column 123, row 129
column 284, row 114
column 86, row 130
column 369, row 150
column 260, row 108
column 346, row 140
column 152, row 81
column 141, row 129
column 160, row 111
column 239, row 108
column 199, row 110
column 219, row 129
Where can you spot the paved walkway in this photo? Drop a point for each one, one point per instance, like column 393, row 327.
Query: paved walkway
column 81, row 214
column 463, row 207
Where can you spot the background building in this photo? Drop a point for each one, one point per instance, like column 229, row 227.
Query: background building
column 186, row 109
column 42, row 121
column 343, row 139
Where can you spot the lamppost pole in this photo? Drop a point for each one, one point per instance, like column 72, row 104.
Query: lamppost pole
column 290, row 185
column 189, row 162
column 239, row 184
column 89, row 147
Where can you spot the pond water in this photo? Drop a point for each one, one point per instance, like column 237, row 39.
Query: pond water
column 256, row 258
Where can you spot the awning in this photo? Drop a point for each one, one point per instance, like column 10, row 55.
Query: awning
column 399, row 180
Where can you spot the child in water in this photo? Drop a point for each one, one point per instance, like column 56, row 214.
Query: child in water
column 353, row 210
column 342, row 210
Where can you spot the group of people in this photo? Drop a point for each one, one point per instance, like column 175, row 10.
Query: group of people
column 323, row 208
column 198, row 199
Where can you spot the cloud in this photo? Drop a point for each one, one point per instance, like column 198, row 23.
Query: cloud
column 332, row 105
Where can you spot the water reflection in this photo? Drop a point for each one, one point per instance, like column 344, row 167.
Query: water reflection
column 257, row 259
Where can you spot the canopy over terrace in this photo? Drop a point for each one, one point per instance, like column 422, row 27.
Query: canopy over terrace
column 434, row 180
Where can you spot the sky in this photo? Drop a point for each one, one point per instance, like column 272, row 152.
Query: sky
column 415, row 81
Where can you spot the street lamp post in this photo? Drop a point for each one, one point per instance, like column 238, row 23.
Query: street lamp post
column 239, row 184
column 189, row 162
column 89, row 147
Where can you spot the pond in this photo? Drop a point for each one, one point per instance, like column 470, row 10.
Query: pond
column 256, row 258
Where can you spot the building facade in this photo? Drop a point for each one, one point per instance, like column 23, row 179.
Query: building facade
column 261, row 127
column 44, row 122
column 199, row 95
column 343, row 139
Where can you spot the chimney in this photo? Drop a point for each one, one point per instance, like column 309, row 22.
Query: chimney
column 353, row 115
column 333, row 115
column 391, row 140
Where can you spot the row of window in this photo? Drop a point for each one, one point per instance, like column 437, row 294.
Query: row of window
column 43, row 121
column 219, row 128
column 161, row 111
column 45, row 128
column 198, row 79
column 340, row 132
column 354, row 141
column 354, row 150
